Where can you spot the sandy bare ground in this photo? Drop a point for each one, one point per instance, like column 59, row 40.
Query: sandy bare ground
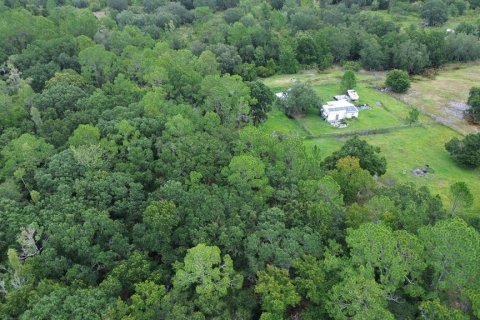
column 100, row 14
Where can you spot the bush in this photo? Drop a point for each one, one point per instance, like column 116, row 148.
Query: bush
column 398, row 80
column 300, row 98
column 435, row 12
column 349, row 80
column 467, row 151
column 351, row 65
column 473, row 112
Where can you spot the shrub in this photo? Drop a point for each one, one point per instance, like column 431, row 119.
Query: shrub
column 398, row 80
column 467, row 151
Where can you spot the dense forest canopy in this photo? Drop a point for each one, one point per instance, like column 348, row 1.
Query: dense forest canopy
column 136, row 181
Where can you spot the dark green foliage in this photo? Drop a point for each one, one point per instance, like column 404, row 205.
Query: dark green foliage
column 349, row 80
column 434, row 12
column 299, row 99
column 413, row 115
column 262, row 101
column 398, row 80
column 466, row 151
column 473, row 112
column 138, row 182
column 368, row 155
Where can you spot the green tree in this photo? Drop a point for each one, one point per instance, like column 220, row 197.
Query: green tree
column 25, row 154
column 349, row 80
column 367, row 154
column 354, row 181
column 467, row 151
column 277, row 291
column 398, row 80
column 97, row 64
column 411, row 57
column 452, row 250
column 474, row 102
column 372, row 55
column 299, row 99
column 461, row 195
column 287, row 61
column 155, row 233
column 262, row 99
column 85, row 134
column 208, row 277
column 434, row 12
column 434, row 310
column 395, row 256
column 228, row 97
column 358, row 296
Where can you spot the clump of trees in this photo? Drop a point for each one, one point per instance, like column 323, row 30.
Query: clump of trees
column 465, row 151
column 299, row 99
column 368, row 156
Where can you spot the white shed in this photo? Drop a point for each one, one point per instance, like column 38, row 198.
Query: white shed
column 353, row 95
column 281, row 95
column 338, row 110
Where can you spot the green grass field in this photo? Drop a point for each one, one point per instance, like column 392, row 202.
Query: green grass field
column 404, row 148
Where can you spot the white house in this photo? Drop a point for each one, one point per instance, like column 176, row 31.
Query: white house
column 338, row 110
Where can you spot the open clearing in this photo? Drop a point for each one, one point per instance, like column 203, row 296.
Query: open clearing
column 404, row 147
column 444, row 96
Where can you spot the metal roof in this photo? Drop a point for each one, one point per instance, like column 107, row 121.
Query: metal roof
column 339, row 106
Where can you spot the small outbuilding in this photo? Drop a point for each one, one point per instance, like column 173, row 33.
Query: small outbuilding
column 281, row 95
column 353, row 95
column 337, row 110
column 341, row 97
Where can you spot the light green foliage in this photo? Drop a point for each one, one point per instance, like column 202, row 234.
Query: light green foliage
column 228, row 97
column 299, row 99
column 398, row 80
column 349, row 80
column 435, row 12
column 97, row 64
column 141, row 179
column 85, row 134
column 210, row 275
column 452, row 250
column 358, row 296
column 411, row 57
column 247, row 173
column 287, row 60
column 462, row 196
column 434, row 310
column 413, row 115
column 354, row 181
column 396, row 257
column 277, row 291
column 25, row 153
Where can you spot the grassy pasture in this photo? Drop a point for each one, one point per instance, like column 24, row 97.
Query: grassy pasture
column 439, row 96
column 404, row 148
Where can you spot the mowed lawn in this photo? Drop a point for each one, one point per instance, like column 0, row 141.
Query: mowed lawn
column 404, row 148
